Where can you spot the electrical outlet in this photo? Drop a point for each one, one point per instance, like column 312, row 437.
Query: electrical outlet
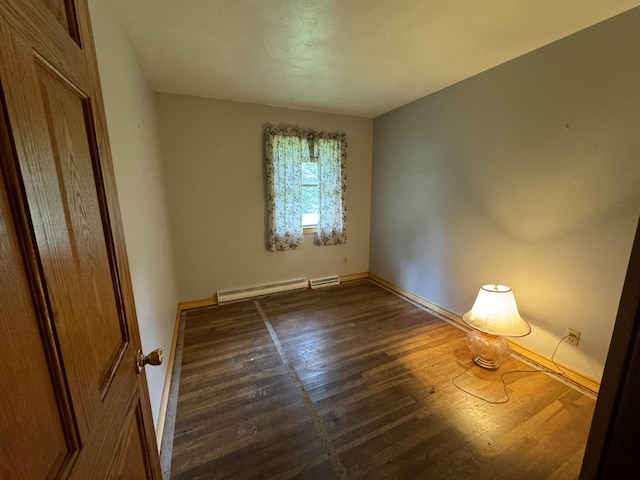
column 573, row 337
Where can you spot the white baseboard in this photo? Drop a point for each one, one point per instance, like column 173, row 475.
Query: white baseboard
column 162, row 413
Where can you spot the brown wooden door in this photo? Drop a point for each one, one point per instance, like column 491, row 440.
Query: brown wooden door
column 614, row 438
column 71, row 402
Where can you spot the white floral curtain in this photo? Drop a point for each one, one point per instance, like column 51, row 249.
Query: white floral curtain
column 285, row 149
column 330, row 151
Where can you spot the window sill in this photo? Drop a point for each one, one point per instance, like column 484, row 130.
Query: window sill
column 309, row 229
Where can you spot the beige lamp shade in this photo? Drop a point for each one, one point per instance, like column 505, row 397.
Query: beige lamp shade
column 495, row 312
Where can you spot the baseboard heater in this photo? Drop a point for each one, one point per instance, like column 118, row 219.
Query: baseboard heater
column 226, row 296
column 325, row 281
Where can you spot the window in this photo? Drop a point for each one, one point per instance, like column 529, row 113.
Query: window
column 310, row 193
column 306, row 184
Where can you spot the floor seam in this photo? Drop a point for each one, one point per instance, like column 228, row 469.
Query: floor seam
column 332, row 453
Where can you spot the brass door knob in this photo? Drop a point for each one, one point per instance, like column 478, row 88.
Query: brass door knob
column 154, row 358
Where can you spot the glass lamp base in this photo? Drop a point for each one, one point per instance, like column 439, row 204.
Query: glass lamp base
column 488, row 350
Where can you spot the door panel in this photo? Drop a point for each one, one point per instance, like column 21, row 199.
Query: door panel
column 102, row 332
column 64, row 13
column 37, row 447
column 70, row 292
column 134, row 465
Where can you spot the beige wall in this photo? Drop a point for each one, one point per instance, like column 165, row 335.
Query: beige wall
column 528, row 173
column 213, row 155
column 132, row 125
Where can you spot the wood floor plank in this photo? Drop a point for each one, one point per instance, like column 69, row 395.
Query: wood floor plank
column 239, row 415
column 376, row 372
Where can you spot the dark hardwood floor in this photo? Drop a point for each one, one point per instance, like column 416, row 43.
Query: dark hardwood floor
column 355, row 382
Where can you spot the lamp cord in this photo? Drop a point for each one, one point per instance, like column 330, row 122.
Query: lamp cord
column 504, row 385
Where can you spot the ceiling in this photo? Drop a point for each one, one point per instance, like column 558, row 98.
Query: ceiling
column 355, row 57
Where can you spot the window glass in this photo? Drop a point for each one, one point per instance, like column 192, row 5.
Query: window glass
column 309, row 193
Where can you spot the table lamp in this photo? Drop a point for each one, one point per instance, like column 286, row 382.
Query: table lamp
column 493, row 316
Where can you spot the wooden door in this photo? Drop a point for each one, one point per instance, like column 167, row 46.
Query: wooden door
column 71, row 402
column 614, row 438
